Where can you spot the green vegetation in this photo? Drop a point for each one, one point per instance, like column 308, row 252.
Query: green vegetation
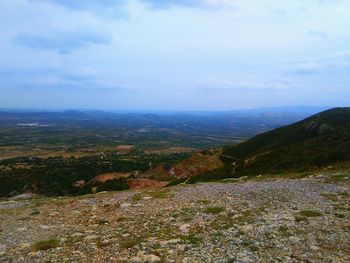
column 82, row 132
column 102, row 222
column 330, row 196
column 214, row 210
column 204, row 202
column 46, row 244
column 318, row 141
column 57, row 176
column 83, row 145
column 245, row 217
column 284, row 231
column 344, row 194
column 216, row 175
column 339, row 215
column 246, row 242
column 163, row 193
column 339, row 177
column 106, row 243
column 310, row 213
column 130, row 243
column 300, row 218
column 192, row 239
column 34, row 212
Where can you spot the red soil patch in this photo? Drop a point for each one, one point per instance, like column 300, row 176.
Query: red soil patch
column 108, row 176
column 124, row 148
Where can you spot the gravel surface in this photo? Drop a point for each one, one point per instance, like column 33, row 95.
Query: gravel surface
column 305, row 220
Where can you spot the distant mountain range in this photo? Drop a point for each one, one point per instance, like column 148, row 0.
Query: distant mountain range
column 281, row 109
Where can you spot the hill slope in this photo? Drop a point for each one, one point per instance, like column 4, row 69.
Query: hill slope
column 320, row 140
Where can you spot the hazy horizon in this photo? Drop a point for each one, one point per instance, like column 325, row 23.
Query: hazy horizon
column 195, row 55
column 304, row 109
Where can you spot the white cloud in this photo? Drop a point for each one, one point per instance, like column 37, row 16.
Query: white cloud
column 248, row 51
column 219, row 85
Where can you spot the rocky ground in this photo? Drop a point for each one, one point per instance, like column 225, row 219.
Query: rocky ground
column 289, row 220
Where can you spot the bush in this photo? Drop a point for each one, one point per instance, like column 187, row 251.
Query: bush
column 310, row 213
column 214, row 210
column 46, row 244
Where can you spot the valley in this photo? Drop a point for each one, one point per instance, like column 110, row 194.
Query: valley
column 49, row 152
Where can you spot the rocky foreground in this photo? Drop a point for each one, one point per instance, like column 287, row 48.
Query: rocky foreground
column 304, row 220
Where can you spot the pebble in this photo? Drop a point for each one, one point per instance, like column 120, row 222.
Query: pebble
column 245, row 229
column 2, row 247
column 92, row 237
column 77, row 234
column 184, row 228
column 133, row 260
column 241, row 255
column 148, row 258
column 294, row 239
column 23, row 246
column 314, row 248
column 54, row 214
column 33, row 253
column 168, row 242
column 125, row 205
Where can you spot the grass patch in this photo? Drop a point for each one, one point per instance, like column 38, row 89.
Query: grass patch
column 299, row 218
column 331, row 197
column 246, row 216
column 187, row 214
column 137, row 197
column 161, row 194
column 102, row 244
column 130, row 243
column 102, row 222
column 339, row 215
column 46, row 244
column 34, row 212
column 249, row 244
column 344, row 194
column 284, row 231
column 222, row 222
column 338, row 178
column 187, row 218
column 310, row 213
column 175, row 215
column 194, row 240
column 204, row 202
column 214, row 210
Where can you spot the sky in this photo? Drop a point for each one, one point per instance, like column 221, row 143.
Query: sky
column 174, row 55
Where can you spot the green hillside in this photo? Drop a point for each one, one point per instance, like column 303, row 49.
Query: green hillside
column 320, row 140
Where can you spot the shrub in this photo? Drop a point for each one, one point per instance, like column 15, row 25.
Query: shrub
column 214, row 210
column 310, row 213
column 46, row 244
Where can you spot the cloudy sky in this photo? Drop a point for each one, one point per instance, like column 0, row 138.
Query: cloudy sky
column 174, row 54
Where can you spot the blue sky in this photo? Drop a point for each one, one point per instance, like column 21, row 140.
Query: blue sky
column 174, row 55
